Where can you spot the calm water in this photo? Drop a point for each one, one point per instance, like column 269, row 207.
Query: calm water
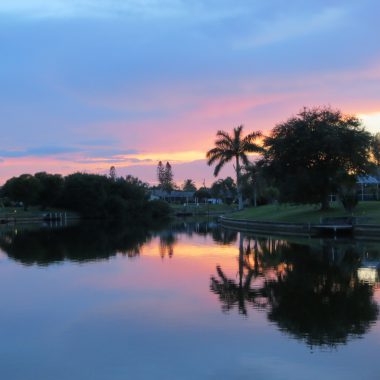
column 192, row 301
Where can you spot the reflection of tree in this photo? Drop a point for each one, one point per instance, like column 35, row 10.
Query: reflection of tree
column 239, row 294
column 320, row 303
column 87, row 242
column 223, row 236
column 167, row 242
column 309, row 293
column 168, row 237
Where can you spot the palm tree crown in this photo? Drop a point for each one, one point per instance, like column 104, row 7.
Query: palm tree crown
column 236, row 147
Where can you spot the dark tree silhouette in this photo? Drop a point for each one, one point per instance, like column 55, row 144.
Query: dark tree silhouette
column 233, row 148
column 309, row 155
column 311, row 294
column 239, row 294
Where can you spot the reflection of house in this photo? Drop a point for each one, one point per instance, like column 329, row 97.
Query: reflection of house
column 369, row 271
column 368, row 275
column 368, row 188
column 174, row 196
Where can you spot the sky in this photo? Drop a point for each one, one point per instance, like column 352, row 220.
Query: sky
column 87, row 84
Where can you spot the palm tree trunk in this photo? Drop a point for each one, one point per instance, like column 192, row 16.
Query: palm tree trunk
column 241, row 259
column 238, row 185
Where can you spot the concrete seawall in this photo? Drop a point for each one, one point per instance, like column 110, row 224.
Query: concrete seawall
column 360, row 231
column 273, row 227
column 367, row 231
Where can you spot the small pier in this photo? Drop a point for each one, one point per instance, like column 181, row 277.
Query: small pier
column 335, row 226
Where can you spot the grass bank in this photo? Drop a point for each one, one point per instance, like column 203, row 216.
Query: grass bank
column 368, row 212
column 15, row 213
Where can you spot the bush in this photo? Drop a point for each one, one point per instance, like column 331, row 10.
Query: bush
column 90, row 195
column 348, row 197
column 159, row 209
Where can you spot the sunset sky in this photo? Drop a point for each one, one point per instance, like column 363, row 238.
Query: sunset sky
column 86, row 84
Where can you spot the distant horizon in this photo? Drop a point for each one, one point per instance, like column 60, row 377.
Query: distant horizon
column 91, row 84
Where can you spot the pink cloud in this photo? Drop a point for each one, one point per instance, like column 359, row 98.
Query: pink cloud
column 191, row 113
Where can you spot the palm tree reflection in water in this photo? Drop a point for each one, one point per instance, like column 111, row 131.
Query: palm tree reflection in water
column 307, row 292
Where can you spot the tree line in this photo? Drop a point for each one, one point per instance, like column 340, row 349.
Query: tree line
column 318, row 152
column 90, row 195
column 224, row 189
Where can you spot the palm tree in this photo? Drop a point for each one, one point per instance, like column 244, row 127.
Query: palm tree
column 236, row 147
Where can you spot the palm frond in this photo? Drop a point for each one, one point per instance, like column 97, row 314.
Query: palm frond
column 229, row 146
column 253, row 148
column 237, row 133
column 214, row 155
column 224, row 135
column 244, row 159
column 218, row 167
column 224, row 144
column 253, row 136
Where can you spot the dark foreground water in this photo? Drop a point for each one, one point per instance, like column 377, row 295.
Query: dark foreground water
column 192, row 301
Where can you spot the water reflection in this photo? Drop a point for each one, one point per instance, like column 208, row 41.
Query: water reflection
column 318, row 293
column 81, row 243
column 95, row 241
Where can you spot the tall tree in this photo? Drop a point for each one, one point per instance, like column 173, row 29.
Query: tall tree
column 51, row 186
column 250, row 181
column 113, row 173
column 25, row 188
column 311, row 154
column 233, row 147
column 375, row 147
column 224, row 189
column 165, row 176
column 161, row 174
column 169, row 184
column 189, row 185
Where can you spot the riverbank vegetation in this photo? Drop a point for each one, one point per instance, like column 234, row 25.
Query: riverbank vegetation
column 366, row 212
column 89, row 195
column 304, row 160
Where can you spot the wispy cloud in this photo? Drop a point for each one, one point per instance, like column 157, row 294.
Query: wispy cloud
column 83, row 8
column 67, row 151
column 289, row 26
column 37, row 151
column 156, row 9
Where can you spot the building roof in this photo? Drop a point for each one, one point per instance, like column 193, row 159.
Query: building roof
column 368, row 180
column 173, row 194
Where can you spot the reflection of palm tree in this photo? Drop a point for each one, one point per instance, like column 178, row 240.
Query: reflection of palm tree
column 306, row 294
column 230, row 293
column 235, row 147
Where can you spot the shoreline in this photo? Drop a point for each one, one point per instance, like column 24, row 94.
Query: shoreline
column 360, row 231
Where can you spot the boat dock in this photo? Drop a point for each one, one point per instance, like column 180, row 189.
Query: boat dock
column 335, row 228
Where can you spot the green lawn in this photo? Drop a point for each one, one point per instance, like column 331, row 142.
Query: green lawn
column 32, row 212
column 369, row 211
